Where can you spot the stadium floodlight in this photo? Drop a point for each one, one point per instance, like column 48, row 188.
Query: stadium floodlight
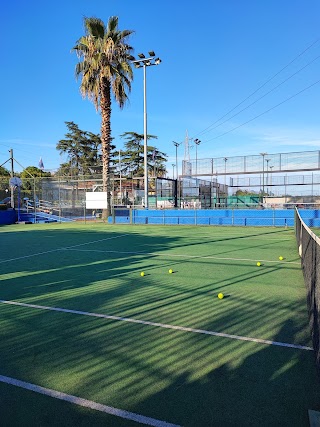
column 151, row 53
column 141, row 55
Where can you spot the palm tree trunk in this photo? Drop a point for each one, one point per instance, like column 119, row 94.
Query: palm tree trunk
column 105, row 106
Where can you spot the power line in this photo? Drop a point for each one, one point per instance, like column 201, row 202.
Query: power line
column 260, row 87
column 267, row 93
column 264, row 112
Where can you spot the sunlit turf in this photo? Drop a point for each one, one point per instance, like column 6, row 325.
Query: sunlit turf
column 179, row 377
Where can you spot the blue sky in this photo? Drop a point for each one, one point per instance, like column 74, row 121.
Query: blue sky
column 214, row 55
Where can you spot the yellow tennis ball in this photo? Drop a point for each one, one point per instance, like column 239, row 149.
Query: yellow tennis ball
column 258, row 264
column 220, row 295
column 142, row 273
column 280, row 258
column 170, row 271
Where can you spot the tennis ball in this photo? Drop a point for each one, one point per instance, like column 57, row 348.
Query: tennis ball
column 142, row 273
column 280, row 258
column 220, row 295
column 259, row 264
column 170, row 271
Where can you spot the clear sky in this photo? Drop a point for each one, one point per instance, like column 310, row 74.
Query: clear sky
column 214, row 53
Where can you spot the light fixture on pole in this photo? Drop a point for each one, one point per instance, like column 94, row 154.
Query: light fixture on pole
column 197, row 142
column 145, row 62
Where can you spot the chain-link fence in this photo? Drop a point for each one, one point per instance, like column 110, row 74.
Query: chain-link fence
column 309, row 251
column 65, row 197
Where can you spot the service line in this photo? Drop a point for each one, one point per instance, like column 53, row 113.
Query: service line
column 62, row 249
column 159, row 325
column 87, row 403
column 185, row 256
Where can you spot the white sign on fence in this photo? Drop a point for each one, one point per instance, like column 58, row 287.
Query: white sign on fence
column 96, row 200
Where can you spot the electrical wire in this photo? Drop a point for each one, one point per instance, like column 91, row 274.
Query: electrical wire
column 264, row 112
column 263, row 96
column 255, row 91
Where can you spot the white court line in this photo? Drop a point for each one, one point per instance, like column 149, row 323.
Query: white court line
column 159, row 325
column 186, row 256
column 62, row 249
column 87, row 403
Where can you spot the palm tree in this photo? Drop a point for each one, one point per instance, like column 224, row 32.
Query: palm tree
column 105, row 70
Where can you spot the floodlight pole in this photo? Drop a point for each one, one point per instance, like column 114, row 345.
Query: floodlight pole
column 11, row 175
column 271, row 178
column 225, row 181
column 197, row 142
column 120, row 176
column 263, row 154
column 176, row 144
column 267, row 160
column 138, row 63
column 173, row 166
column 145, row 143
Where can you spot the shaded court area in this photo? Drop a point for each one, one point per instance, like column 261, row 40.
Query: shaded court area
column 163, row 345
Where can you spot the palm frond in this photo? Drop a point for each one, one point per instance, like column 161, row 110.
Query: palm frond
column 94, row 27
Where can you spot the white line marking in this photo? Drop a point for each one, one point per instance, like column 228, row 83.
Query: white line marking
column 87, row 403
column 159, row 325
column 185, row 256
column 61, row 249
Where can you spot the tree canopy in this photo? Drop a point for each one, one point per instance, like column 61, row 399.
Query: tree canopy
column 4, row 171
column 83, row 150
column 132, row 158
column 33, row 171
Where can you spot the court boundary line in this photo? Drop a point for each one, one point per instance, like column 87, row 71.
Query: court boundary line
column 159, row 325
column 185, row 256
column 110, row 410
column 62, row 249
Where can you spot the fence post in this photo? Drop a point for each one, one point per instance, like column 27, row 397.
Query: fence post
column 273, row 217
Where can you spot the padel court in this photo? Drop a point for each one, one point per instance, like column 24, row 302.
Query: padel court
column 85, row 339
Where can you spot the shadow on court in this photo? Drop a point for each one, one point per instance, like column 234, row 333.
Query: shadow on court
column 179, row 377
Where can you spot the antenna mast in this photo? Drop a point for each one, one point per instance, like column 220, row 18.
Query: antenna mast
column 186, row 148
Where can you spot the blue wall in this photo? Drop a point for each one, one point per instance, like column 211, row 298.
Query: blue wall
column 239, row 217
column 8, row 217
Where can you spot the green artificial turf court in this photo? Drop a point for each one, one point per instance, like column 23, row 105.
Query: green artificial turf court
column 161, row 346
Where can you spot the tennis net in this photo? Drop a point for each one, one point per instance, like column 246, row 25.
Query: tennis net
column 309, row 251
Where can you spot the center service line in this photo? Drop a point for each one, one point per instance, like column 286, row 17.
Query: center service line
column 87, row 403
column 159, row 325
